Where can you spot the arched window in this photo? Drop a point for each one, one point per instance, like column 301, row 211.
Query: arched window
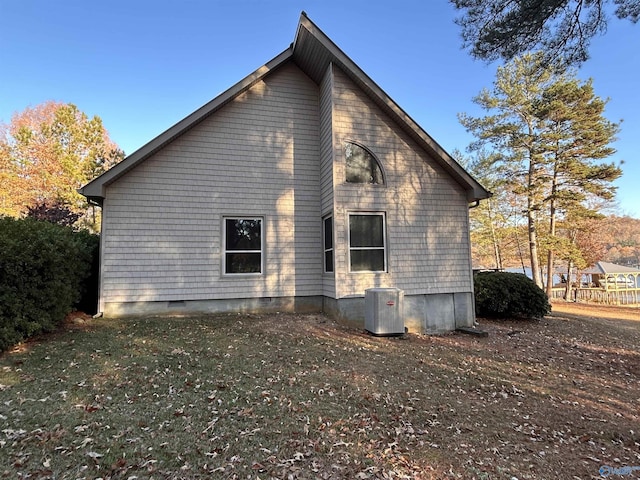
column 362, row 166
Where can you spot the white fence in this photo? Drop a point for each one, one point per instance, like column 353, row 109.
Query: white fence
column 620, row 296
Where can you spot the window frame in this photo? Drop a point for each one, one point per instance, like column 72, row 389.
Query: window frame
column 384, row 241
column 330, row 249
column 225, row 251
column 383, row 179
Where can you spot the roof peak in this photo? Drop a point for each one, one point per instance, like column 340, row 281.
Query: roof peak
column 313, row 52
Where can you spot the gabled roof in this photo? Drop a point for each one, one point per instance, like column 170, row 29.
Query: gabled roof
column 313, row 52
column 603, row 268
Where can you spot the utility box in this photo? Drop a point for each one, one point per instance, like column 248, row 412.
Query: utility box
column 383, row 311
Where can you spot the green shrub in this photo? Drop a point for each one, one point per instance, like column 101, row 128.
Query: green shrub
column 42, row 270
column 503, row 294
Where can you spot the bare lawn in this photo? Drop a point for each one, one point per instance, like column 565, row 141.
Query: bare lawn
column 298, row 396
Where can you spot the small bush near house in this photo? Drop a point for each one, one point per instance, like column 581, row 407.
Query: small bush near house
column 43, row 268
column 503, row 294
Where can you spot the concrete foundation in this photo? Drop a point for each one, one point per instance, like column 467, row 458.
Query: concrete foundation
column 242, row 305
column 432, row 314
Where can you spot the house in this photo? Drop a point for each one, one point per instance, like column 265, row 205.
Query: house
column 603, row 282
column 611, row 276
column 297, row 189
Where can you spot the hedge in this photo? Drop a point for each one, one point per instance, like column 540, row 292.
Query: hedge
column 504, row 294
column 43, row 268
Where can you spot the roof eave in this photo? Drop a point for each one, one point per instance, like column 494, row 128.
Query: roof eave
column 332, row 53
column 96, row 188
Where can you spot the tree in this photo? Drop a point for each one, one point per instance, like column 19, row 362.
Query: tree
column 622, row 238
column 46, row 153
column 584, row 242
column 492, row 221
column 576, row 136
column 513, row 134
column 56, row 213
column 494, row 29
column 548, row 134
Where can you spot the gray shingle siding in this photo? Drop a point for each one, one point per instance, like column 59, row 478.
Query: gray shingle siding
column 272, row 146
column 277, row 151
column 426, row 211
column 258, row 156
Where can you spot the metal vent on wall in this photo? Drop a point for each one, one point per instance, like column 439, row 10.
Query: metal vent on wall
column 383, row 311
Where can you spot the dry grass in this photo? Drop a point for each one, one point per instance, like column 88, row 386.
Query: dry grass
column 297, row 396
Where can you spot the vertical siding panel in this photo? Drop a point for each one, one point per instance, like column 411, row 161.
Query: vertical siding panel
column 326, row 141
column 326, row 164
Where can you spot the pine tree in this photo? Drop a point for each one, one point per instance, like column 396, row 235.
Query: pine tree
column 513, row 132
column 576, row 136
column 492, row 220
column 494, row 29
column 548, row 133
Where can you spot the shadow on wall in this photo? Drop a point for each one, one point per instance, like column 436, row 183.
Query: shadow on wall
column 168, row 246
column 426, row 211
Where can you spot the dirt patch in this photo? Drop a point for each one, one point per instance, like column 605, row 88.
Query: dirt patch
column 76, row 320
column 597, row 311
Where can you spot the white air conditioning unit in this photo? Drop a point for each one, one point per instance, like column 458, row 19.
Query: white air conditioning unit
column 383, row 311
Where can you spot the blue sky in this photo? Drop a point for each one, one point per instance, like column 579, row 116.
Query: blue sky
column 144, row 65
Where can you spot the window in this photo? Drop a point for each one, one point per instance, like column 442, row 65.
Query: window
column 243, row 245
column 367, row 242
column 362, row 166
column 328, row 244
